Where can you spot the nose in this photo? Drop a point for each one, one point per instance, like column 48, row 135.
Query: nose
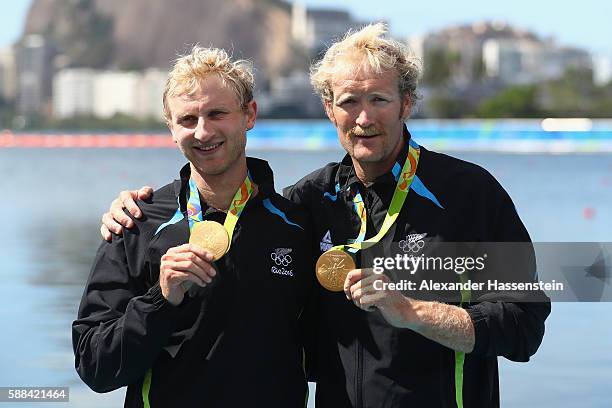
column 364, row 119
column 203, row 130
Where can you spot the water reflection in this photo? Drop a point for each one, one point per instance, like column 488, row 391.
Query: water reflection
column 59, row 257
column 63, row 251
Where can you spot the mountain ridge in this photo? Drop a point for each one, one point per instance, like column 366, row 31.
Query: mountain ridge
column 136, row 34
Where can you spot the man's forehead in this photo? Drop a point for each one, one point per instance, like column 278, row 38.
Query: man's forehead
column 215, row 91
column 365, row 81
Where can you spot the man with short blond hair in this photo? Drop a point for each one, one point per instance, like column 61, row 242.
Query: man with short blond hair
column 198, row 305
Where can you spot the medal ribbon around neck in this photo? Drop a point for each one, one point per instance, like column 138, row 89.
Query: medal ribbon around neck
column 242, row 196
column 404, row 181
column 334, row 265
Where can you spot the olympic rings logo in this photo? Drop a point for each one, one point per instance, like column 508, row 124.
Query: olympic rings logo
column 281, row 259
column 412, row 244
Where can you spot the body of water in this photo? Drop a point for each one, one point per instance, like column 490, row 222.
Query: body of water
column 519, row 136
column 52, row 200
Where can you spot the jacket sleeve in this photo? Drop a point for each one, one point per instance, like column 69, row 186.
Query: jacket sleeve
column 122, row 323
column 512, row 329
column 297, row 193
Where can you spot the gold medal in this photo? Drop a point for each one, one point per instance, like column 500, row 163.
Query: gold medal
column 332, row 268
column 212, row 236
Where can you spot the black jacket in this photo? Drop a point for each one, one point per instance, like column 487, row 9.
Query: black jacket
column 234, row 343
column 365, row 362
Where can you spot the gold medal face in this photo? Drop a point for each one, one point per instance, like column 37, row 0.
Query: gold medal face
column 332, row 268
column 212, row 236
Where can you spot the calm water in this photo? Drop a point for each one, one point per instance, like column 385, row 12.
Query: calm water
column 51, row 203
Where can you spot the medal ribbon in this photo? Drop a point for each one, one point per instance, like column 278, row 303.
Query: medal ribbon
column 404, row 181
column 359, row 208
column 242, row 196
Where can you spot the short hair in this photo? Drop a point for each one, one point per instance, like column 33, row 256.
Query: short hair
column 189, row 69
column 376, row 53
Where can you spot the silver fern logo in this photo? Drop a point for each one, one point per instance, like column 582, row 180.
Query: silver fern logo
column 413, row 243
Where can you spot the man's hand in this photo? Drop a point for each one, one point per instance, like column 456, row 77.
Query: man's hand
column 396, row 308
column 115, row 219
column 181, row 264
column 449, row 325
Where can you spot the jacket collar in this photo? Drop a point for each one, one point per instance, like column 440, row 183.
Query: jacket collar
column 260, row 172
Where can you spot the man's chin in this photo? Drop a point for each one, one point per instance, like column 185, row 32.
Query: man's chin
column 210, row 168
column 366, row 155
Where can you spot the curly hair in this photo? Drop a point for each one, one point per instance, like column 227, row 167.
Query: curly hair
column 372, row 51
column 188, row 70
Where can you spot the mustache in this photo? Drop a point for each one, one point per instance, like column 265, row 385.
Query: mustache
column 359, row 131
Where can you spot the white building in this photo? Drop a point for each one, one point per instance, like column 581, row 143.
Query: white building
column 527, row 61
column 602, row 69
column 115, row 92
column 8, row 74
column 315, row 29
column 80, row 91
column 149, row 94
column 73, row 92
column 502, row 59
column 500, row 52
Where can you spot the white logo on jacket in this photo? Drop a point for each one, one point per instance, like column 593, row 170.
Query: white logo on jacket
column 413, row 242
column 326, row 242
column 282, row 259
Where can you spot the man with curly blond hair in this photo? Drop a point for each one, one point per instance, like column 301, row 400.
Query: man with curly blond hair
column 389, row 349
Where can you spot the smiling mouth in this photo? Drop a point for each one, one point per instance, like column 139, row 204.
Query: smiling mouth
column 208, row 148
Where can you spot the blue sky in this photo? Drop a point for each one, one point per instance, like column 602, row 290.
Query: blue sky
column 12, row 19
column 584, row 23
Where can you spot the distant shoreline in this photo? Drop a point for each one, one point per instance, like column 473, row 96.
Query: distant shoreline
column 554, row 136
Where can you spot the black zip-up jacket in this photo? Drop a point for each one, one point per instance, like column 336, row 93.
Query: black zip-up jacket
column 234, row 343
column 365, row 362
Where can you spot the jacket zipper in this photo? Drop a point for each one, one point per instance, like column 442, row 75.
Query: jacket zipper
column 359, row 376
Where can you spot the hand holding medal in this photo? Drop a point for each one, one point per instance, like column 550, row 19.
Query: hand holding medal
column 182, row 265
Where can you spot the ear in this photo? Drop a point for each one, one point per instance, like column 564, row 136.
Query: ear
column 329, row 110
column 251, row 112
column 406, row 107
column 171, row 129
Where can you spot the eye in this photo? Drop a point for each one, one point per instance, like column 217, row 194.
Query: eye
column 188, row 120
column 216, row 114
column 346, row 102
column 379, row 99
